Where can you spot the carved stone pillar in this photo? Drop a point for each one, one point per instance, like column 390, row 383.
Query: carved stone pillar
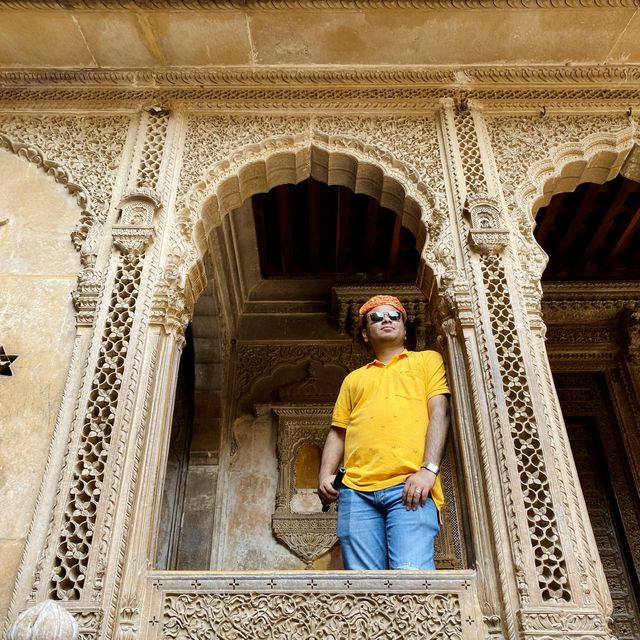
column 534, row 526
column 79, row 564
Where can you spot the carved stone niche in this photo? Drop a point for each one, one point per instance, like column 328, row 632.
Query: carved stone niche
column 488, row 233
column 135, row 228
column 298, row 521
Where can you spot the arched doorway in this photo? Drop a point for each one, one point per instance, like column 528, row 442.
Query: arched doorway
column 295, row 262
column 591, row 285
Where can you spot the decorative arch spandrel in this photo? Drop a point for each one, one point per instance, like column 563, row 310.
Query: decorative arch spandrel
column 283, row 149
column 81, row 152
column 553, row 154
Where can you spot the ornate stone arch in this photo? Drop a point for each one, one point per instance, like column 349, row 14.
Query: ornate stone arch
column 597, row 157
column 259, row 167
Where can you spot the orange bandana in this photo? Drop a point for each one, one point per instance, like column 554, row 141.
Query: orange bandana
column 377, row 301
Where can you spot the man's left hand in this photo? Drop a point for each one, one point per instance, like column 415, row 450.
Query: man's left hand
column 417, row 488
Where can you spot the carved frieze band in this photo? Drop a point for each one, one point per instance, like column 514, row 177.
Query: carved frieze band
column 275, row 5
column 321, row 615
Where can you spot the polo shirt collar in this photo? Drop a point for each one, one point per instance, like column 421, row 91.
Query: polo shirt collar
column 377, row 363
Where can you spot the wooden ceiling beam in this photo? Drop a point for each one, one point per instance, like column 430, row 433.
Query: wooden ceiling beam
column 283, row 200
column 395, row 244
column 373, row 211
column 607, row 221
column 313, row 204
column 624, row 237
column 342, row 225
column 551, row 211
column 583, row 208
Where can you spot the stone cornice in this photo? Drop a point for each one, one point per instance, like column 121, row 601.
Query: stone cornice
column 315, row 4
column 455, row 79
column 620, row 81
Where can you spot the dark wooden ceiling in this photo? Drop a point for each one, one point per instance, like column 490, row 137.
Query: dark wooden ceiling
column 311, row 229
column 592, row 233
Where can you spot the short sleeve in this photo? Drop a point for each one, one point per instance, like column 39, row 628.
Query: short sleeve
column 435, row 376
column 342, row 409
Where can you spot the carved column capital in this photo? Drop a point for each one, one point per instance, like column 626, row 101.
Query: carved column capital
column 86, row 296
column 135, row 230
column 455, row 303
column 169, row 307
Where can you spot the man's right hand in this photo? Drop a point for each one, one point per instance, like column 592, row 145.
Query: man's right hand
column 326, row 491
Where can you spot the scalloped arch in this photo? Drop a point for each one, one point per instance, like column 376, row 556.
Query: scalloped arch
column 598, row 157
column 31, row 153
column 331, row 159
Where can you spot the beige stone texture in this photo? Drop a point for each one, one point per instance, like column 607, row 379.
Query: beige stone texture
column 363, row 36
column 10, row 552
column 251, row 496
column 37, row 273
column 627, row 46
column 202, row 38
column 118, row 39
column 43, row 38
column 436, row 37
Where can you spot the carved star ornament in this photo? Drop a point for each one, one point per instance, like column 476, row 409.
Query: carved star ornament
column 5, row 362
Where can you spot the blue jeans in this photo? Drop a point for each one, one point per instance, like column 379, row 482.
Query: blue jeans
column 377, row 532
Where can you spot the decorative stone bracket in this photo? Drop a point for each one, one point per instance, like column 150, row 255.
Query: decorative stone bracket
column 488, row 233
column 135, row 231
column 309, row 533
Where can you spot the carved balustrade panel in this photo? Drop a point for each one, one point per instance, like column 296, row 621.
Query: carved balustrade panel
column 312, row 605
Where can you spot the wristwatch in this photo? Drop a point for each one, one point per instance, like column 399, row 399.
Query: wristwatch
column 431, row 466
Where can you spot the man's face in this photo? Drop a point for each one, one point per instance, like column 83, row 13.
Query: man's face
column 385, row 330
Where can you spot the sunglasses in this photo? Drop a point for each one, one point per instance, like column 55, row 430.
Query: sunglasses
column 379, row 316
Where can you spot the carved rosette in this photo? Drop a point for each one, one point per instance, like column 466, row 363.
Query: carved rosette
column 488, row 234
column 135, row 231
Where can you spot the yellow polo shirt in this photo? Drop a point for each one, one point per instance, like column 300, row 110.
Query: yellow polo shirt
column 384, row 410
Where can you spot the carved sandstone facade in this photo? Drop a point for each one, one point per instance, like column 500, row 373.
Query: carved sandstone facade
column 156, row 177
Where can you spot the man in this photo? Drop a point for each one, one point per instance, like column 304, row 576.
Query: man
column 389, row 426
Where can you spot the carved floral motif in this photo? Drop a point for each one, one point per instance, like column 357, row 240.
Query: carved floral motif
column 538, row 136
column 289, row 616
